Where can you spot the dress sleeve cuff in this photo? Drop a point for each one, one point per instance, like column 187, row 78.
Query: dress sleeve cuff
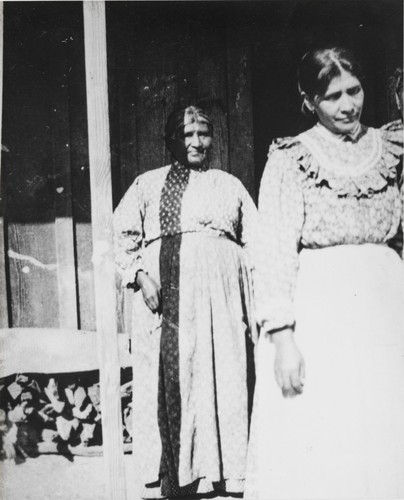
column 128, row 277
column 275, row 314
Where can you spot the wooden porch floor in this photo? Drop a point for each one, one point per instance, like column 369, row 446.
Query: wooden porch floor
column 54, row 477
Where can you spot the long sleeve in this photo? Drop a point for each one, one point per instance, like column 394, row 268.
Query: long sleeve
column 248, row 222
column 281, row 216
column 129, row 234
column 402, row 220
column 393, row 134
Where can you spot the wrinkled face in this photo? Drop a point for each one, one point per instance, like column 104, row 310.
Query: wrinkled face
column 340, row 108
column 192, row 146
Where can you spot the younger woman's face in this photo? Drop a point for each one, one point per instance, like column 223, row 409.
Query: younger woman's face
column 340, row 108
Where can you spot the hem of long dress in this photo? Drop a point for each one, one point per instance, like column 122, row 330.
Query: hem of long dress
column 229, row 486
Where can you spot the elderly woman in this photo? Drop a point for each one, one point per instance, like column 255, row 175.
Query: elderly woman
column 329, row 302
column 182, row 234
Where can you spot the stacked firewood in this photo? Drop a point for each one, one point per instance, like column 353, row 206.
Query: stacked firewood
column 55, row 413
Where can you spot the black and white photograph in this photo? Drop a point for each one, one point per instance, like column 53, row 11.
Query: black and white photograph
column 201, row 250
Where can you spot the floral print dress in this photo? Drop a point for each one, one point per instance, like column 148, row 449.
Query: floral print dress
column 190, row 230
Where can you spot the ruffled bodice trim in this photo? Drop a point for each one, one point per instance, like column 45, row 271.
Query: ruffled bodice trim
column 376, row 170
column 322, row 190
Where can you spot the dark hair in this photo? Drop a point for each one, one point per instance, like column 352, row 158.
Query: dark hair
column 318, row 67
column 396, row 90
column 397, row 81
column 176, row 122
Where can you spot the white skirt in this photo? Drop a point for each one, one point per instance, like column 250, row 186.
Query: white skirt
column 344, row 436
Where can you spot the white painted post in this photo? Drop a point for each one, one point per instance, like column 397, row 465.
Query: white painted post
column 103, row 255
column 4, row 321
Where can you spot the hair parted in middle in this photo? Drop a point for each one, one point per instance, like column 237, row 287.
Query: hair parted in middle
column 318, row 67
column 178, row 118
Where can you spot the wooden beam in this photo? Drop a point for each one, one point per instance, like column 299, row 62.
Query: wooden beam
column 4, row 320
column 53, row 350
column 50, row 448
column 103, row 253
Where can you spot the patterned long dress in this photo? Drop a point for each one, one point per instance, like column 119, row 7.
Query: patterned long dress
column 189, row 229
column 328, row 207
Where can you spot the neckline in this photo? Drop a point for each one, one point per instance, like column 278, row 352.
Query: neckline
column 181, row 166
column 313, row 136
column 338, row 138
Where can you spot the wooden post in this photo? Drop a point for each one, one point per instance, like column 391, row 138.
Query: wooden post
column 103, row 255
column 52, row 350
column 4, row 321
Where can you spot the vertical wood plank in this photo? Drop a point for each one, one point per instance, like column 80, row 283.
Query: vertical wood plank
column 80, row 177
column 4, row 320
column 85, row 275
column 68, row 317
column 33, row 274
column 122, row 90
column 29, row 181
column 150, row 110
column 64, row 235
column 180, row 65
column 103, row 257
column 212, row 89
column 239, row 96
column 393, row 59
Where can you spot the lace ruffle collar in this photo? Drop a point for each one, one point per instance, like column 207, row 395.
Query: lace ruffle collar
column 320, row 159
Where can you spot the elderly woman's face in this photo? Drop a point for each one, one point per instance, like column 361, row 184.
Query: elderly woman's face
column 192, row 146
column 340, row 108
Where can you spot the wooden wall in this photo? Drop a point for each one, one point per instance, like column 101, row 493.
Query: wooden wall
column 49, row 269
column 237, row 59
column 170, row 55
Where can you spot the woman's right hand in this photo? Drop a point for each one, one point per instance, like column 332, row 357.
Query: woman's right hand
column 150, row 290
column 289, row 363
